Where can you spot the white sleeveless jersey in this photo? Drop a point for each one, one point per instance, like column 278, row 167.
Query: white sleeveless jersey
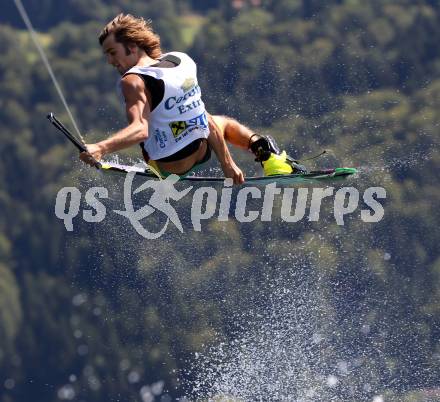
column 180, row 117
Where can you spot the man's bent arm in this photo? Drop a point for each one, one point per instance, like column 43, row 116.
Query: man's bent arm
column 217, row 142
column 137, row 110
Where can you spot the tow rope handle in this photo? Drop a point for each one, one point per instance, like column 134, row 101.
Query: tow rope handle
column 75, row 141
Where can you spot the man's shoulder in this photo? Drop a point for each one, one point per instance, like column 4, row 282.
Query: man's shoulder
column 131, row 83
column 179, row 55
column 130, row 80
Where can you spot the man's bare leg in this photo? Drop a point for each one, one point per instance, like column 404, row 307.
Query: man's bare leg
column 264, row 148
column 234, row 132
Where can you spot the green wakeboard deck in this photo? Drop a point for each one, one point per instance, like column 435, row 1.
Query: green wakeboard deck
column 316, row 175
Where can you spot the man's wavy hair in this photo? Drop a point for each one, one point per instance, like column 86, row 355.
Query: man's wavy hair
column 129, row 29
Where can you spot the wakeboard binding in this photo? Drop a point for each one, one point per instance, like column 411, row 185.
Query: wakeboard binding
column 273, row 160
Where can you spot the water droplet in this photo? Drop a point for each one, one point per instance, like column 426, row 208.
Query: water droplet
column 332, row 381
column 9, row 383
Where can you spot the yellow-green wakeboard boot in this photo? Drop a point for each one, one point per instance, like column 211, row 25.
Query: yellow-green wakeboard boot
column 274, row 161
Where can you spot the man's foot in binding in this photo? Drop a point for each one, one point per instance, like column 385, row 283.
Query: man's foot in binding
column 274, row 161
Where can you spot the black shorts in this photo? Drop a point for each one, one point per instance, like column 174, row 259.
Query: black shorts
column 183, row 153
column 187, row 151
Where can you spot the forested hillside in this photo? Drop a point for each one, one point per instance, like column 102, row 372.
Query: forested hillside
column 101, row 314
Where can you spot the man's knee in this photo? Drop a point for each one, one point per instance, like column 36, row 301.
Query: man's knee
column 221, row 123
column 229, row 125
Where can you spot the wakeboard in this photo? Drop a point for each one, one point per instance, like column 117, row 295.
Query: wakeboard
column 316, row 175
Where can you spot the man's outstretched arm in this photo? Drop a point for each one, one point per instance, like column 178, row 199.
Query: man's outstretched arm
column 137, row 110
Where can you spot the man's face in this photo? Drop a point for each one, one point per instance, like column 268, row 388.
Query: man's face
column 116, row 54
